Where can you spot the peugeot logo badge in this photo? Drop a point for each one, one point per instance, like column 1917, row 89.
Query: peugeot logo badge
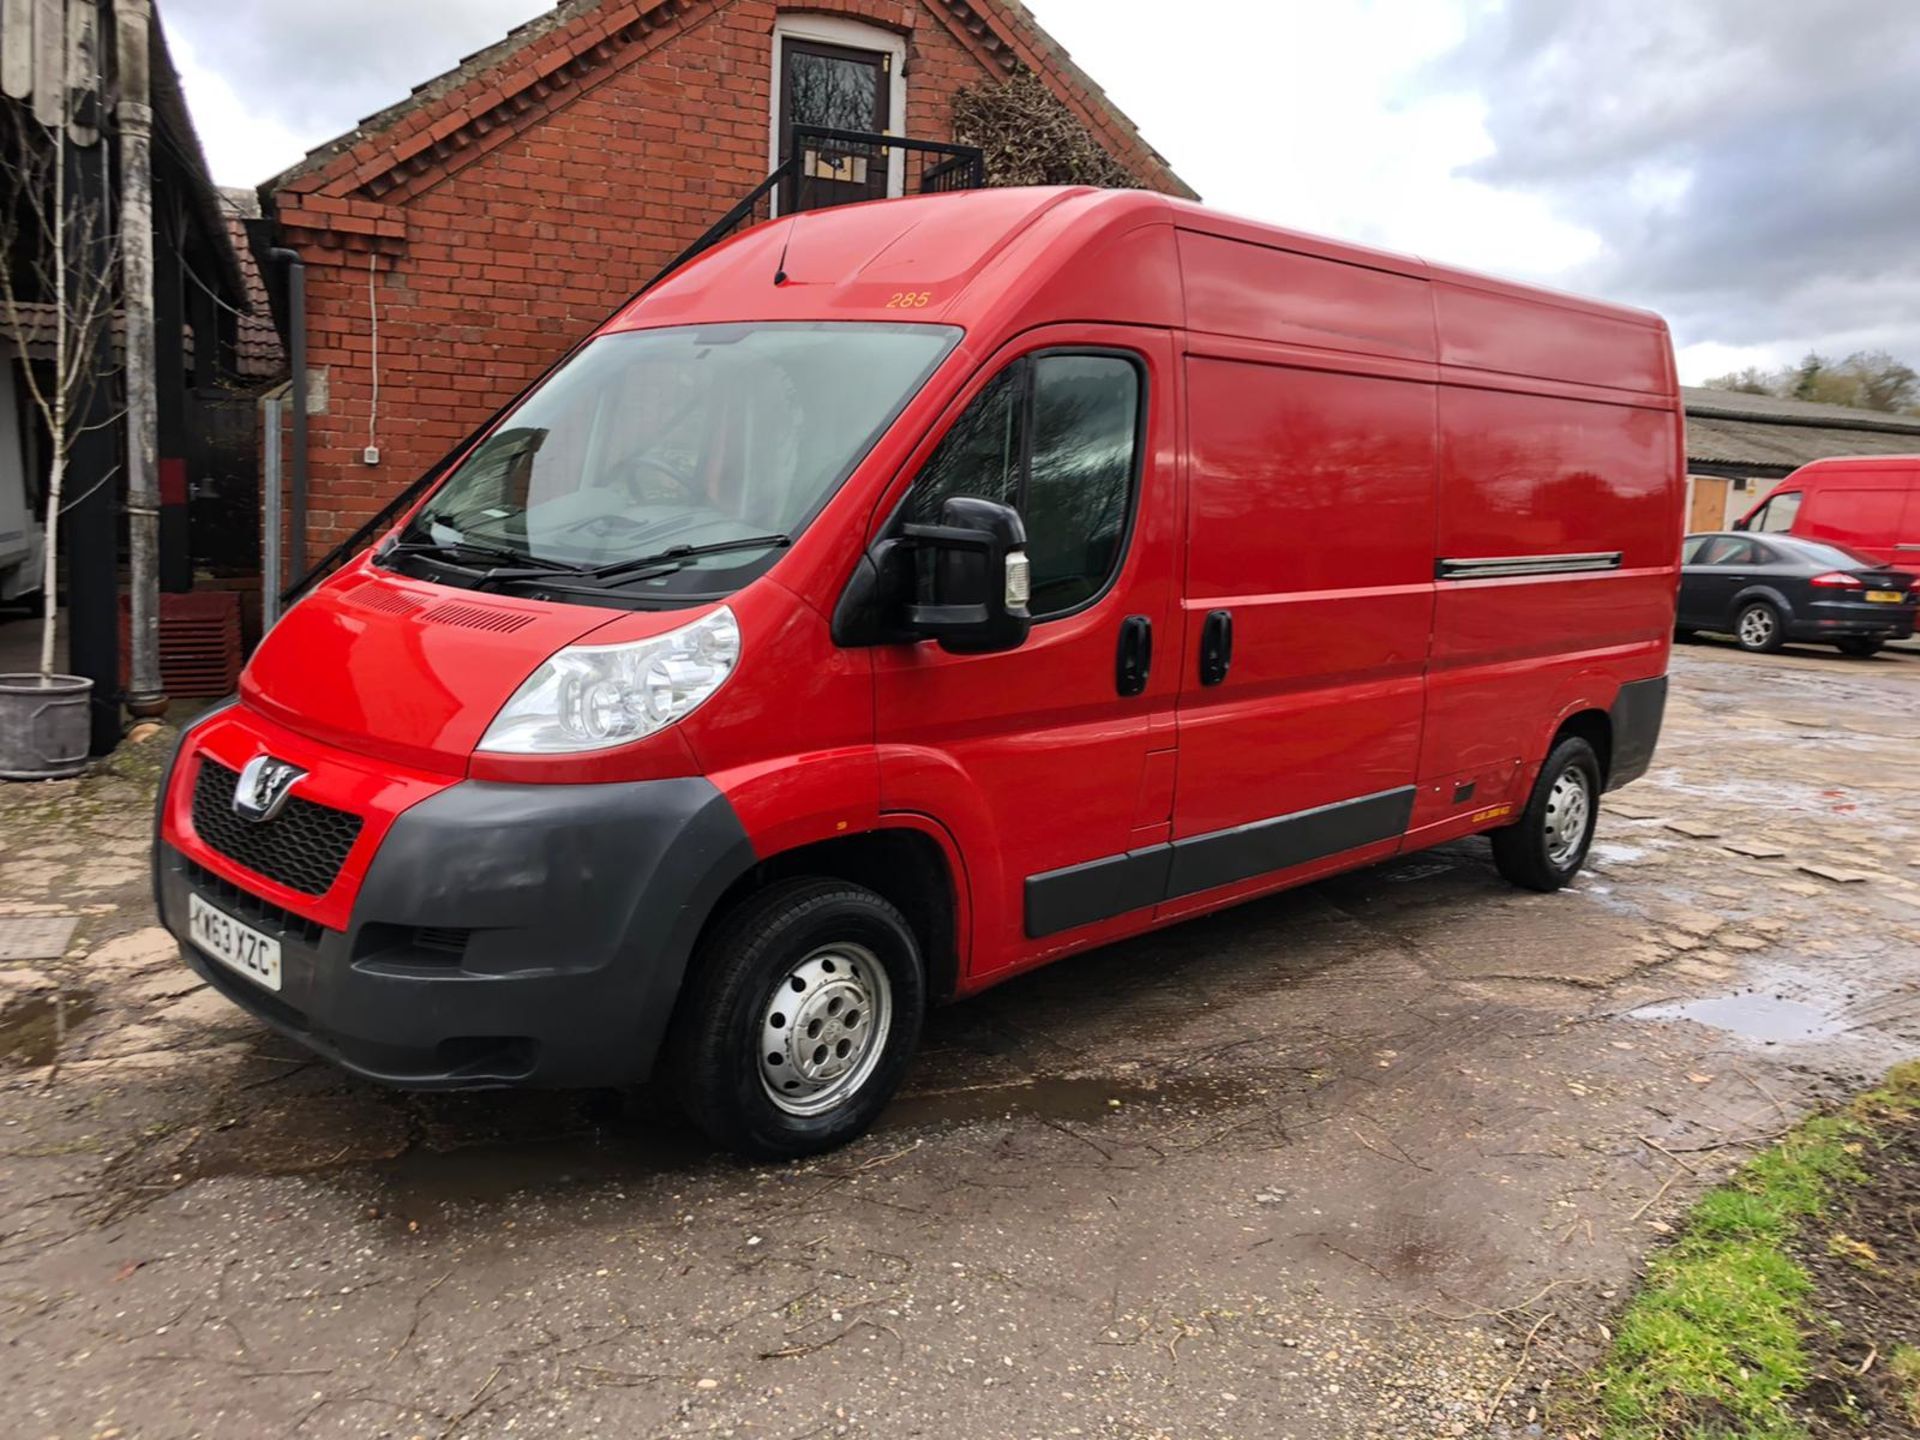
column 264, row 787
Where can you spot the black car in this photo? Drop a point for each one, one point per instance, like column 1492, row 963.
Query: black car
column 1767, row 590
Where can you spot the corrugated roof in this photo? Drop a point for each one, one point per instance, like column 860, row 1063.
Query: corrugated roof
column 1768, row 434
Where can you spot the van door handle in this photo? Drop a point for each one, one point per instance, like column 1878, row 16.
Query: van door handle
column 1135, row 663
column 1216, row 647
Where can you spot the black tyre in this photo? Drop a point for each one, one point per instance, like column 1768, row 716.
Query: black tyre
column 1684, row 636
column 1760, row 627
column 1860, row 647
column 800, row 1015
column 1550, row 843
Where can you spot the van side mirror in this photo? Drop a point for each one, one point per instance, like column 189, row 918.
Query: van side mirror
column 1743, row 524
column 963, row 582
column 971, row 578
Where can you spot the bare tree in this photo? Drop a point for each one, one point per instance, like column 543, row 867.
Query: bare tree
column 56, row 286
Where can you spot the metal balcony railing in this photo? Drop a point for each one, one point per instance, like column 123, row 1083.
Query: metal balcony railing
column 827, row 168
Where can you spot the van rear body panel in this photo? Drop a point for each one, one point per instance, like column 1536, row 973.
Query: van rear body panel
column 1389, row 530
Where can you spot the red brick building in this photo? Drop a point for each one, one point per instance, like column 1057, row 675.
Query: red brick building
column 457, row 243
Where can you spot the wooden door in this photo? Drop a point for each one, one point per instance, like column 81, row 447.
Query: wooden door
column 1709, row 508
column 837, row 89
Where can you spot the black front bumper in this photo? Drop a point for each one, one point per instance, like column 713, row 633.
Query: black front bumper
column 503, row 935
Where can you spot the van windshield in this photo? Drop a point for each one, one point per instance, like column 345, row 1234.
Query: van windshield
column 704, row 448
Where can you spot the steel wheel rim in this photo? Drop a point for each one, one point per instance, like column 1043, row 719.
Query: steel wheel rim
column 1569, row 815
column 1756, row 626
column 823, row 1029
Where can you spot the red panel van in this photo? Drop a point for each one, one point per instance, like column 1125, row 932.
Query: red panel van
column 904, row 596
column 1868, row 503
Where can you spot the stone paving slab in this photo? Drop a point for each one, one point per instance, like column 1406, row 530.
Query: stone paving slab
column 36, row 937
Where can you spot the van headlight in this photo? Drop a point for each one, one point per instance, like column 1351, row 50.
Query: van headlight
column 593, row 697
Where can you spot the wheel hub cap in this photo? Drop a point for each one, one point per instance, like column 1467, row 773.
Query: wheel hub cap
column 824, row 1028
column 1569, row 815
column 1756, row 626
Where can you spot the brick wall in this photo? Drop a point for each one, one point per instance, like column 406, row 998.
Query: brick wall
column 497, row 219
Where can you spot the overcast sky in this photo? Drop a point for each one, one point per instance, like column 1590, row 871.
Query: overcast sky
column 1750, row 168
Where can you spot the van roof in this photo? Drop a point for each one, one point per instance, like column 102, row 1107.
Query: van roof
column 1862, row 462
column 971, row 257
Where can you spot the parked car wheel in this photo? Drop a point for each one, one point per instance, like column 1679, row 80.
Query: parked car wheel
column 1760, row 628
column 1684, row 636
column 799, row 1018
column 1550, row 843
column 1859, row 646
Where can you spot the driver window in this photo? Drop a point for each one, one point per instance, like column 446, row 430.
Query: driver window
column 981, row 454
column 1056, row 437
column 1778, row 514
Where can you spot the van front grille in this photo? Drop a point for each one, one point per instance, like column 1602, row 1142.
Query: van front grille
column 302, row 848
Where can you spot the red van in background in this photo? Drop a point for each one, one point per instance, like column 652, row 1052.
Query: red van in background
column 906, row 595
column 1868, row 503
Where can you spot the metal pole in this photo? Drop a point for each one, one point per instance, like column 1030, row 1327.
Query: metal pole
column 270, row 515
column 146, row 698
column 297, row 356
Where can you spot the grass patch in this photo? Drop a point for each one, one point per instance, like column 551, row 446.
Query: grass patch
column 1905, row 1368
column 1712, row 1348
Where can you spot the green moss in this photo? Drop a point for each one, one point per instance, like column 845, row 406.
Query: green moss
column 1711, row 1349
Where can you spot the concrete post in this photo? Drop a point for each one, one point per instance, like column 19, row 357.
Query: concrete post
column 146, row 698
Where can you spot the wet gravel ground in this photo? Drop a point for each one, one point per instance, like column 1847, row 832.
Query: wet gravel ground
column 1376, row 1158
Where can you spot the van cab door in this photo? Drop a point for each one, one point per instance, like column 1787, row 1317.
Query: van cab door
column 1057, row 755
column 1309, row 613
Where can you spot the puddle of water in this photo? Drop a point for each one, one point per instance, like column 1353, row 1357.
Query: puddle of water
column 1611, row 852
column 30, row 1035
column 422, row 1179
column 1755, row 1015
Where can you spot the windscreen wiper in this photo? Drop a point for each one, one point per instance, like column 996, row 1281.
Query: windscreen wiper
column 667, row 561
column 475, row 549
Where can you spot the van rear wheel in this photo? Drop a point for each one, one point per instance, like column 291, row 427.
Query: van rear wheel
column 1550, row 843
column 799, row 1019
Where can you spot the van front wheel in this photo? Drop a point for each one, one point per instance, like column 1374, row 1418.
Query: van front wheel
column 800, row 1016
column 1549, row 845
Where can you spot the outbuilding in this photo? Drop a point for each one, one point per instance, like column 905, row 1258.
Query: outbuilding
column 1739, row 444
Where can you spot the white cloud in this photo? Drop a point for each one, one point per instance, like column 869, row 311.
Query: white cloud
column 1709, row 358
column 1308, row 116
column 243, row 146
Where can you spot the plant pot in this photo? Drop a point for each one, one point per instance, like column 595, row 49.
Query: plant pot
column 45, row 726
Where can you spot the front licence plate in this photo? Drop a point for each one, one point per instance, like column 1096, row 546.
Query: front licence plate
column 1886, row 597
column 238, row 947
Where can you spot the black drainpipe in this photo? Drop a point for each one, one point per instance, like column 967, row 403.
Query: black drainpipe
column 297, row 358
